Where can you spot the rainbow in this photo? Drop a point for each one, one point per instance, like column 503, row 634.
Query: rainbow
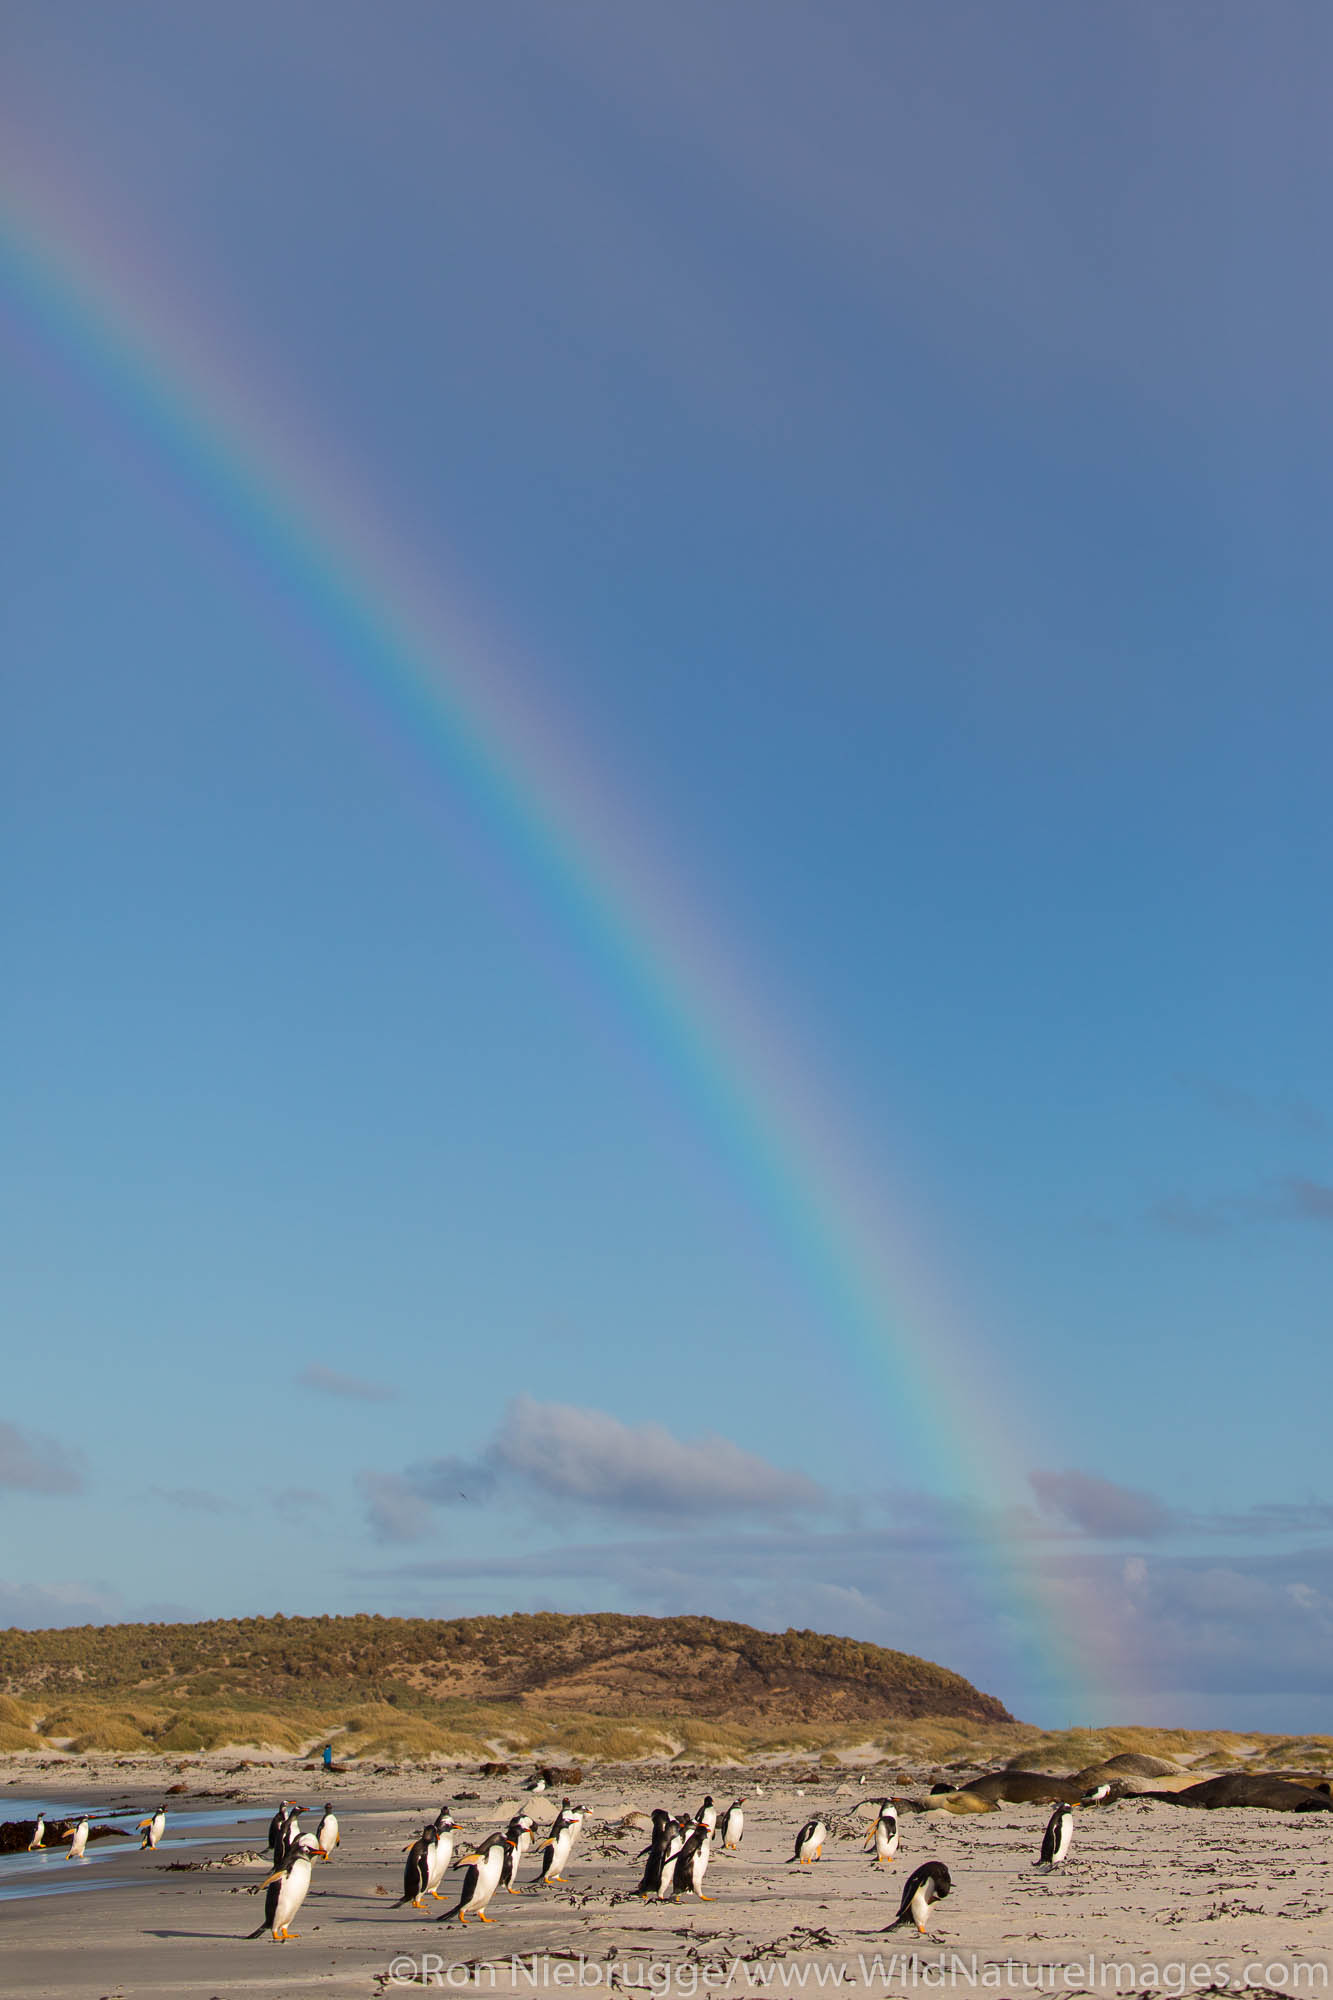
column 424, row 669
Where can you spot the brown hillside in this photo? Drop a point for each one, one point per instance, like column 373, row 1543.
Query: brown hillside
column 600, row 1663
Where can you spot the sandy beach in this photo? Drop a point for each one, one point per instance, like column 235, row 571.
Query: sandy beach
column 1152, row 1896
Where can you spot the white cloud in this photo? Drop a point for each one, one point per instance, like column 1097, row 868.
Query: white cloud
column 329, row 1382
column 395, row 1510
column 1100, row 1508
column 595, row 1460
column 31, row 1462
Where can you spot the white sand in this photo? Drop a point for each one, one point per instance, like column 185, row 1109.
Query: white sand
column 1173, row 1898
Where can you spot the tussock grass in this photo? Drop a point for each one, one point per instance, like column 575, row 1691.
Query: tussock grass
column 18, row 1724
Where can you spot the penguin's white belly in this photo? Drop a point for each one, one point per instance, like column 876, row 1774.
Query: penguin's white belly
column 488, row 1878
column 292, row 1893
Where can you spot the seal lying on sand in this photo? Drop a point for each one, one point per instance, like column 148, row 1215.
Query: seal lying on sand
column 951, row 1802
column 1023, row 1788
column 1249, row 1788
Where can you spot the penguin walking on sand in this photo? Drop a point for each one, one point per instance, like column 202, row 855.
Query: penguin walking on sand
column 287, row 1888
column 883, row 1835
column 1055, row 1841
column 809, row 1844
column 441, row 1851
column 484, row 1868
column 930, row 1883
column 519, row 1834
column 731, row 1825
column 38, row 1832
column 327, row 1834
column 416, row 1869
column 559, row 1842
column 653, row 1855
column 679, row 1832
column 707, row 1814
column 80, row 1840
column 153, row 1828
column 691, row 1865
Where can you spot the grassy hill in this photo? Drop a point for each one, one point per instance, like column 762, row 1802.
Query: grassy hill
column 597, row 1684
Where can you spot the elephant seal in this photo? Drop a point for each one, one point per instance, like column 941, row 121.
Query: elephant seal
column 1248, row 1788
column 1025, row 1788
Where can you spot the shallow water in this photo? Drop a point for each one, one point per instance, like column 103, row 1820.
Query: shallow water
column 50, row 1872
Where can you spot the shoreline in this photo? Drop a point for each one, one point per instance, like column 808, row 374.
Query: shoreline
column 1147, row 1885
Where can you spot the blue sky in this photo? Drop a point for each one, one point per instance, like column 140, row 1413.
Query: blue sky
column 888, row 451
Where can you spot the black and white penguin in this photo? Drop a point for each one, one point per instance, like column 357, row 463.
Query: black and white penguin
column 153, row 1828
column 653, row 1855
column 707, row 1814
column 443, row 1827
column 79, row 1841
column 276, row 1830
column 930, row 1883
column 678, row 1833
column 481, row 1881
column 327, row 1834
column 416, row 1869
column 38, row 1832
column 691, row 1864
column 287, row 1888
column 809, row 1844
column 1055, row 1840
column 731, row 1825
column 560, row 1840
column 519, row 1834
column 883, row 1835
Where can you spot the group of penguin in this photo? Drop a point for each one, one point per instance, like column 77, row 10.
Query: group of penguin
column 151, row 1828
column 675, row 1860
column 294, row 1855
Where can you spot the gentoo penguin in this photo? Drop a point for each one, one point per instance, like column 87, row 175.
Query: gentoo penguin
column 276, row 1828
column 930, row 1883
column 681, row 1829
column 564, row 1831
column 691, row 1864
column 441, row 1852
column 883, row 1835
column 1055, row 1840
column 731, row 1824
column 809, row 1844
column 480, row 1882
column 416, row 1869
column 327, row 1834
column 655, row 1853
column 707, row 1814
column 288, row 1835
column 1096, row 1795
column 287, row 1888
column 153, row 1828
column 80, row 1840
column 38, row 1833
column 519, row 1834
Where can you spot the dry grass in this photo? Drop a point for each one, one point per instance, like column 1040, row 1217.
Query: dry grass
column 378, row 1730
